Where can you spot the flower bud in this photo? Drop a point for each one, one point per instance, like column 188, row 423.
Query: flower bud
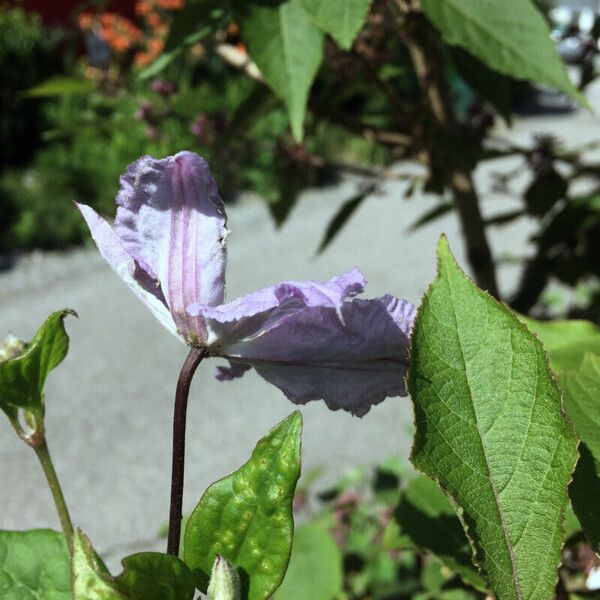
column 224, row 581
column 11, row 347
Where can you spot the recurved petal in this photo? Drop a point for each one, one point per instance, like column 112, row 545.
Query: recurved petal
column 351, row 363
column 140, row 281
column 256, row 313
column 353, row 387
column 172, row 220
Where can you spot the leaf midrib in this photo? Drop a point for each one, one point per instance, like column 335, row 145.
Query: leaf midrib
column 515, row 574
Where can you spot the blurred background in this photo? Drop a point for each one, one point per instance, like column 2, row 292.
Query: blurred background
column 88, row 87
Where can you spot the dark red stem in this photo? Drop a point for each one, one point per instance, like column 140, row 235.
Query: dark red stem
column 179, row 420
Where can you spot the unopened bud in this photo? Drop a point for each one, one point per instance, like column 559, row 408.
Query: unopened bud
column 11, row 347
column 224, row 581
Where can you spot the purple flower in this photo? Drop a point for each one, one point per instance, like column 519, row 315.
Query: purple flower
column 163, row 87
column 307, row 338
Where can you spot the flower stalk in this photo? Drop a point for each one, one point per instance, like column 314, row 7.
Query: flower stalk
column 41, row 451
column 194, row 358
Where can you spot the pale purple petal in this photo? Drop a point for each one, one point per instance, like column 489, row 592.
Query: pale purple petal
column 350, row 364
column 256, row 313
column 353, row 387
column 171, row 219
column 141, row 282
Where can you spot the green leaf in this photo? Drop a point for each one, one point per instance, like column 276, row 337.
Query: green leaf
column 510, row 37
column 342, row 19
column 22, row 378
column 34, row 565
column 61, row 85
column 585, row 492
column 315, row 569
column 247, row 516
column 156, row 576
column 581, row 389
column 426, row 516
column 90, row 579
column 342, row 216
column 287, row 48
column 491, row 431
column 566, row 341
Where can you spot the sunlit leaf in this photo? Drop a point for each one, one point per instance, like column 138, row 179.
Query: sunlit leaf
column 247, row 516
column 510, row 37
column 287, row 48
column 491, row 431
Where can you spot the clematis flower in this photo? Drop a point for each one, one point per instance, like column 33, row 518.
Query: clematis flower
column 313, row 340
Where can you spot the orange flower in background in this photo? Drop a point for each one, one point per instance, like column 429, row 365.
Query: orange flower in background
column 171, row 4
column 85, row 21
column 143, row 7
column 155, row 46
column 154, row 20
column 142, row 59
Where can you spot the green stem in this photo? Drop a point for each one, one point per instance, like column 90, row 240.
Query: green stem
column 43, row 455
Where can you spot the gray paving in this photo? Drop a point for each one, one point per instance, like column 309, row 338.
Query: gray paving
column 109, row 405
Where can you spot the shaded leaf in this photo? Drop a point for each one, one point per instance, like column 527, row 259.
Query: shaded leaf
column 489, row 84
column 491, row 431
column 504, row 218
column 426, row 516
column 22, row 378
column 544, row 192
column 287, row 48
column 510, row 37
column 196, row 20
column 566, row 342
column 342, row 19
column 34, row 565
column 431, row 215
column 247, row 516
column 585, row 492
column 315, row 569
column 343, row 215
column 156, row 576
column 581, row 389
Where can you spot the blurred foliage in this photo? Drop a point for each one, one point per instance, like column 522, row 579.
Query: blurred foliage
column 183, row 74
column 397, row 537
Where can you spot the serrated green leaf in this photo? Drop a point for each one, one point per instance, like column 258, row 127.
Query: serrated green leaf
column 342, row 19
column 510, row 37
column 491, row 431
column 566, row 342
column 34, row 565
column 287, row 48
column 581, row 389
column 315, row 569
column 247, row 516
column 585, row 492
column 22, row 378
column 425, row 515
column 90, row 580
column 156, row 576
